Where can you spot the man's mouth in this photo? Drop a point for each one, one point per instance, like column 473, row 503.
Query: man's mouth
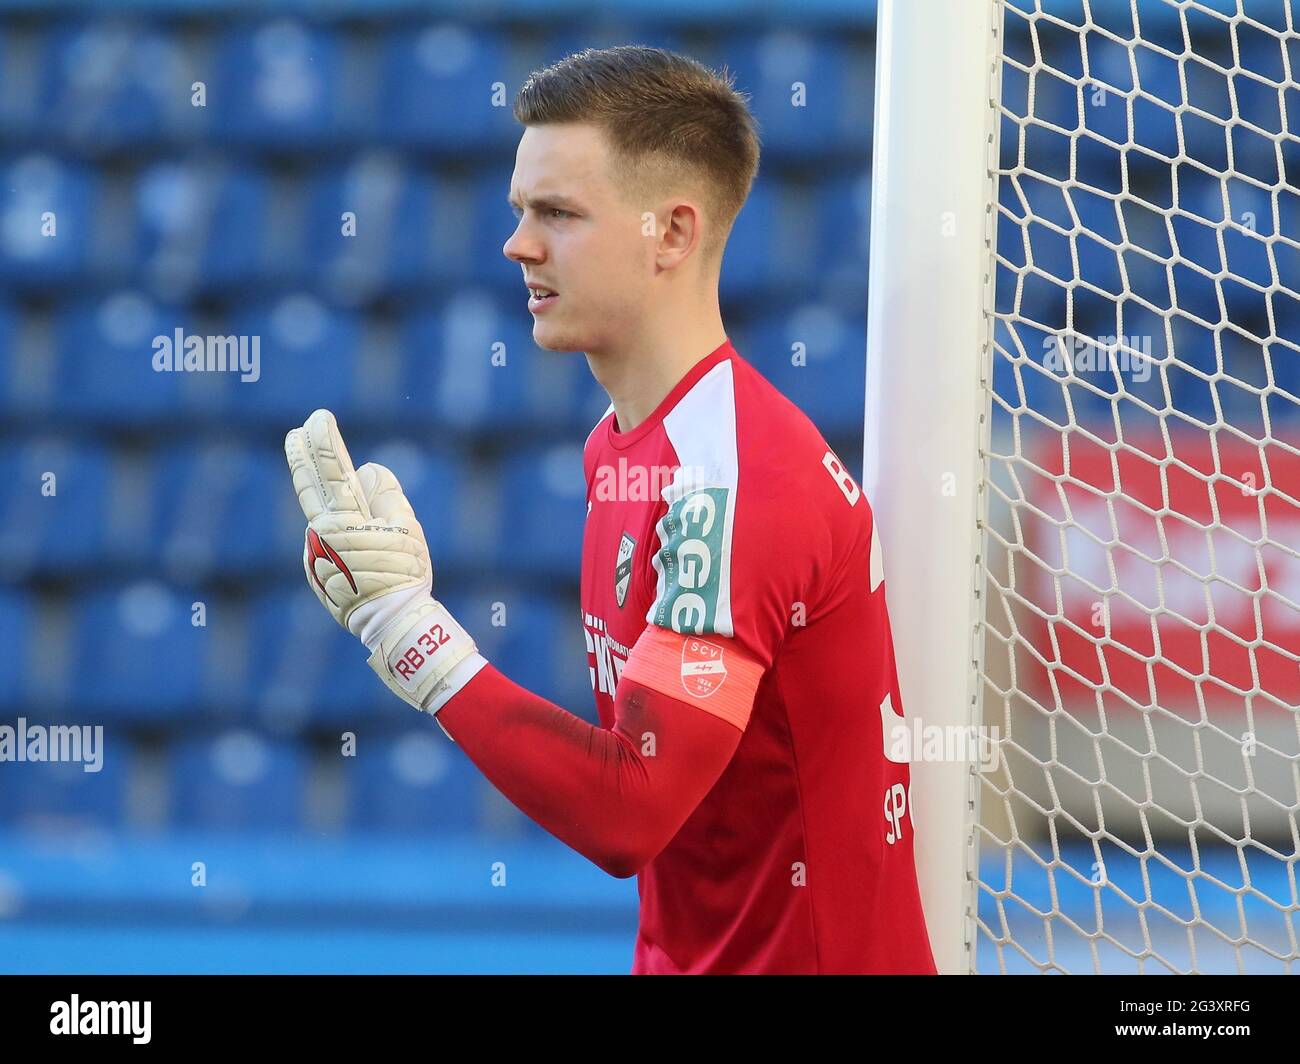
column 539, row 297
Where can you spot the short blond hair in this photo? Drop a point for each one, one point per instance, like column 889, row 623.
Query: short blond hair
column 669, row 120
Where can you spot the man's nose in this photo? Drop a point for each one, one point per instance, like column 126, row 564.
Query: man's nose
column 520, row 247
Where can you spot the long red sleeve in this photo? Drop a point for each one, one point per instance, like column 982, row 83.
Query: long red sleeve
column 617, row 796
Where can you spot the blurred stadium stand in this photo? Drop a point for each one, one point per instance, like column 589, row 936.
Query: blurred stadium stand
column 172, row 496
column 225, row 219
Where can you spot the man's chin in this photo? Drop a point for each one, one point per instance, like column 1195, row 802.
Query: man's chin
column 549, row 340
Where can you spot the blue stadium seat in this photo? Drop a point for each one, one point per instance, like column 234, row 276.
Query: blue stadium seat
column 17, row 619
column 1254, row 154
column 309, row 359
column 569, row 38
column 1106, row 113
column 12, row 363
column 1036, row 244
column 831, row 385
column 1247, row 243
column 234, row 229
column 1197, row 242
column 753, row 254
column 399, row 226
column 844, row 224
column 1108, row 60
column 280, row 83
column 51, row 532
column 44, row 795
column 1262, row 52
column 201, row 225
column 441, row 81
column 454, row 356
column 204, row 501
column 111, row 83
column 1158, row 78
column 1117, row 367
column 491, row 223
column 20, row 104
column 835, row 113
column 145, row 655
column 1098, row 214
column 1105, row 369
column 536, row 640
column 1099, row 265
column 1050, row 252
column 47, row 217
column 1013, row 253
column 1154, row 129
column 416, row 782
column 107, row 350
column 1286, row 313
column 1248, row 256
column 238, row 780
column 1021, row 378
column 1048, row 151
column 308, row 669
column 543, row 500
column 1284, row 364
column 1193, row 348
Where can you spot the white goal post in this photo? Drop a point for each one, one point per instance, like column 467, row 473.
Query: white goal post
column 1082, row 447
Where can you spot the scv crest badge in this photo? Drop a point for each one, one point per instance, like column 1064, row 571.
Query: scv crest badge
column 623, row 568
column 703, row 670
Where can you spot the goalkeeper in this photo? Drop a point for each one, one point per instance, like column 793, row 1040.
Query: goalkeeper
column 735, row 616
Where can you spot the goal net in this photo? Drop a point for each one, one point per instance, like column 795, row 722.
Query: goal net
column 1117, row 467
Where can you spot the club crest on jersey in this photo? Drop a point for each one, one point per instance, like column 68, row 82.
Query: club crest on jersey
column 623, row 568
column 703, row 670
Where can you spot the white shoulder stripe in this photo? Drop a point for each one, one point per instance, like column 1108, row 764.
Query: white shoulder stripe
column 702, row 431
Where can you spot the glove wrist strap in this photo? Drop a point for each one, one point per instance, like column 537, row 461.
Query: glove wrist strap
column 418, row 650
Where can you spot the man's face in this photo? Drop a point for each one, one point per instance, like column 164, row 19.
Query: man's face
column 578, row 237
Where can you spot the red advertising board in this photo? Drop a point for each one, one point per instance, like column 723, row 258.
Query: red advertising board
column 1165, row 568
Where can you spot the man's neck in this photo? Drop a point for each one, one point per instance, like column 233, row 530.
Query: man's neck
column 639, row 378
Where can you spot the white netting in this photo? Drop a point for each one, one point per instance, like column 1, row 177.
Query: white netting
column 1141, row 601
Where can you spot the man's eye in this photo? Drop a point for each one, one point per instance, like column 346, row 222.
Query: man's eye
column 550, row 212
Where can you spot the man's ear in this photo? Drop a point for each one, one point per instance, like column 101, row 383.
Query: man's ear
column 681, row 234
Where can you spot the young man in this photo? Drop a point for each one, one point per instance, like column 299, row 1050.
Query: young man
column 731, row 586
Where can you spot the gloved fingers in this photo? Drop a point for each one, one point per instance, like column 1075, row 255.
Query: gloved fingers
column 322, row 469
column 384, row 495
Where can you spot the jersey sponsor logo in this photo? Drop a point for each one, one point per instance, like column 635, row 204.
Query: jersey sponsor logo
column 703, row 670
column 623, row 568
column 690, row 561
column 606, row 656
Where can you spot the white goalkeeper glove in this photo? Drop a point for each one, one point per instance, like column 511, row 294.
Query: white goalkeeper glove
column 367, row 561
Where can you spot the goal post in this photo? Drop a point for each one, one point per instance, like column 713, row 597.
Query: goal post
column 1082, row 447
column 926, row 332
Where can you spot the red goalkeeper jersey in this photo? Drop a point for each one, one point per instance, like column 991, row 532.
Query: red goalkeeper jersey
column 726, row 538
